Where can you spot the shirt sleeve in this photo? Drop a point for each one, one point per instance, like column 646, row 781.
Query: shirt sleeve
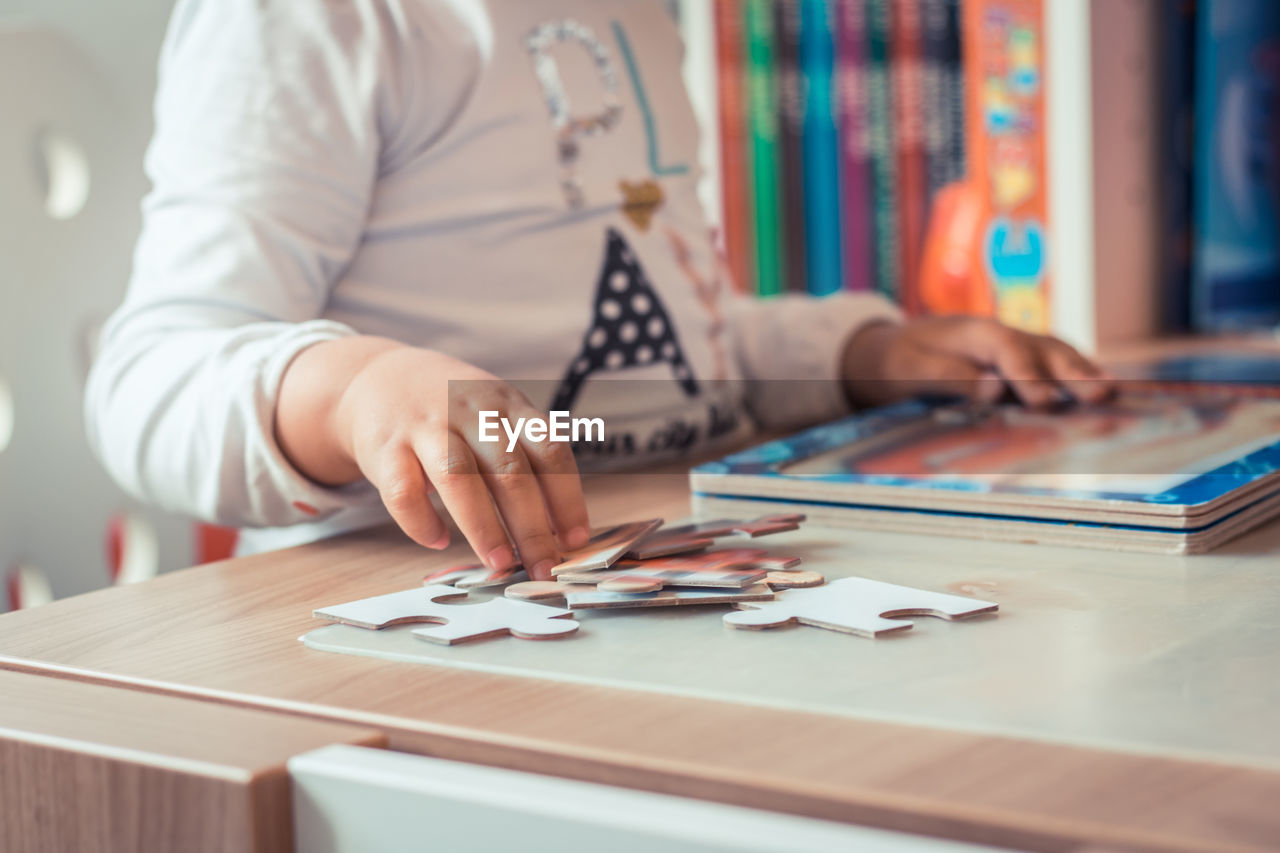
column 789, row 349
column 273, row 120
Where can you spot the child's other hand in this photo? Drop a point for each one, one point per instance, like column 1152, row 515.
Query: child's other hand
column 396, row 421
column 969, row 356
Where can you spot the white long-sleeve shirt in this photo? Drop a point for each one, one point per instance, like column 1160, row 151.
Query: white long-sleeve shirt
column 511, row 182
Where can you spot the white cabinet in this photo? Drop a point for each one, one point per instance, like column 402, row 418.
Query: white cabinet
column 359, row 800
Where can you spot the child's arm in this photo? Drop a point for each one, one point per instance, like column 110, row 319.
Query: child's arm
column 273, row 120
column 790, row 350
column 968, row 356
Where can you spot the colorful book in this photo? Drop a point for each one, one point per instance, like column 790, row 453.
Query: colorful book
column 1236, row 194
column 908, row 146
column 791, row 120
column 733, row 142
column 763, row 122
column 987, row 250
column 883, row 167
column 855, row 146
column 821, row 148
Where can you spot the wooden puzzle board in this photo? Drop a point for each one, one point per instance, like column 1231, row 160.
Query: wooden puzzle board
column 1117, row 653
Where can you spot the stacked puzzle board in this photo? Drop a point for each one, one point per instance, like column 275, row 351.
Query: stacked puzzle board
column 640, row 566
column 1158, row 469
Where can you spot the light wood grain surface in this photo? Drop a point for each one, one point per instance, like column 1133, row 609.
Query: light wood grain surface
column 87, row 768
column 229, row 632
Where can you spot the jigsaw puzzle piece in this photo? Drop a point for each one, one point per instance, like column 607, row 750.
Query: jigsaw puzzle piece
column 725, row 559
column 475, row 576
column 766, row 525
column 595, row 599
column 794, row 580
column 496, row 617
column 431, row 604
column 629, row 583
column 698, row 530
column 606, row 546
column 394, row 608
column 756, row 558
column 736, row 578
column 666, row 546
column 686, row 538
column 542, row 590
column 856, row 606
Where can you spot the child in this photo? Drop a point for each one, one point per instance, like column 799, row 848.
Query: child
column 359, row 205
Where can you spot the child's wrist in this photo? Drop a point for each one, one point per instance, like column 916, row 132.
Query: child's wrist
column 862, row 363
column 314, row 417
column 340, row 424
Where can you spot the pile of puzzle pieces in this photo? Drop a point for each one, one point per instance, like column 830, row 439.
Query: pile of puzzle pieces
column 642, row 564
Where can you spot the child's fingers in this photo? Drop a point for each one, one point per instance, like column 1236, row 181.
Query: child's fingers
column 405, row 491
column 518, row 494
column 557, row 473
column 1077, row 374
column 1011, row 353
column 1017, row 358
column 935, row 371
column 453, row 471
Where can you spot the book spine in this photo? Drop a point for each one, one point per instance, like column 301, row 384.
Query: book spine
column 953, row 94
column 821, row 148
column 908, row 147
column 763, row 113
column 791, row 141
column 855, row 146
column 941, row 84
column 1236, row 191
column 1177, row 33
column 730, row 76
column 883, row 168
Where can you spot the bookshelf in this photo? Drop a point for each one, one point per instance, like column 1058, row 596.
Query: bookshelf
column 1120, row 267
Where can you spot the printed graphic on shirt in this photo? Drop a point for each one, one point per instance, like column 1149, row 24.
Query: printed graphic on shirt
column 568, row 128
column 642, row 101
column 640, row 201
column 629, row 328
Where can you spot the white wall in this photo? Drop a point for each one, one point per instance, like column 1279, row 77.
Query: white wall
column 81, row 72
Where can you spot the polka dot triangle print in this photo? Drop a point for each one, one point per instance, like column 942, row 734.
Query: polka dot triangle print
column 629, row 328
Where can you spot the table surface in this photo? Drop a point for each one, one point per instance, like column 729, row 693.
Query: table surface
column 1117, row 699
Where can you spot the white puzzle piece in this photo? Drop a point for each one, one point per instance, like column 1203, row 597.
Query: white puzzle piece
column 856, row 606
column 430, row 604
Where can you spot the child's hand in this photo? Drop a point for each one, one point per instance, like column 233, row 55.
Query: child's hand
column 969, row 356
column 395, row 420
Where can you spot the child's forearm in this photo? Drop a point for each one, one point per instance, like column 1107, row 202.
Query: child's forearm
column 309, row 422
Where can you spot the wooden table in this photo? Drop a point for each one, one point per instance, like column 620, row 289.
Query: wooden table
column 229, row 633
column 89, row 768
